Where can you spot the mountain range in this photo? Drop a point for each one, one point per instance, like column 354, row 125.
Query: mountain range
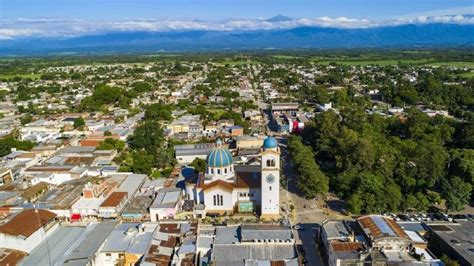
column 407, row 35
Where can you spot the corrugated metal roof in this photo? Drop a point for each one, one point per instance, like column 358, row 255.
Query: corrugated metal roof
column 50, row 251
column 132, row 183
column 83, row 252
column 240, row 252
column 166, row 198
column 27, row 222
column 266, row 232
column 227, row 234
column 126, row 237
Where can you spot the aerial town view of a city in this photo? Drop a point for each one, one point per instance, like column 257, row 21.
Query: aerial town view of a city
column 215, row 132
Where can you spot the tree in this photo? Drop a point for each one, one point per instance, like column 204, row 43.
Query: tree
column 8, row 143
column 449, row 261
column 79, row 123
column 147, row 136
column 158, row 112
column 111, row 144
column 462, row 164
column 199, row 165
column 142, row 162
column 456, row 192
column 311, row 180
column 26, row 119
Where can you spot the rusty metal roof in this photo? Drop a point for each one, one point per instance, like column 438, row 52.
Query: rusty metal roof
column 114, row 199
column 379, row 226
column 27, row 222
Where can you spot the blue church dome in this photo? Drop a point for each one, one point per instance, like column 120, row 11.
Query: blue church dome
column 270, row 143
column 219, row 156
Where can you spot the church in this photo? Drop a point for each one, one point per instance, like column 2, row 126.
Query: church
column 225, row 188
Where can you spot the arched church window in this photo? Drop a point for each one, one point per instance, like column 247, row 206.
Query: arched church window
column 218, row 171
column 225, row 170
column 270, row 162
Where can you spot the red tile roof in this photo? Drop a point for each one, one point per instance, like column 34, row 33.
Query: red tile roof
column 244, row 180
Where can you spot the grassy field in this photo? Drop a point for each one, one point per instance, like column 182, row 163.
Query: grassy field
column 8, row 76
column 387, row 62
column 219, row 112
column 281, row 56
column 467, row 75
column 454, row 64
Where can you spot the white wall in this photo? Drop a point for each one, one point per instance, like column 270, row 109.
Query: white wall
column 55, row 179
column 227, row 197
column 28, row 244
column 187, row 159
column 270, row 197
column 163, row 213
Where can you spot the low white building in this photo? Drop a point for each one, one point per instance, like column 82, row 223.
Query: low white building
column 27, row 229
column 166, row 204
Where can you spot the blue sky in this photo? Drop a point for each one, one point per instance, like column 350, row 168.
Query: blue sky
column 224, row 9
column 68, row 18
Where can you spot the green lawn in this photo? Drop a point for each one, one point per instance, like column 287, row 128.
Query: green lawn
column 454, row 64
column 467, row 75
column 8, row 76
column 387, row 62
column 281, row 56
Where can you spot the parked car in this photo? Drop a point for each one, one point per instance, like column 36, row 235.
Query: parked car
column 403, row 217
column 425, row 217
column 446, row 217
column 438, row 216
column 460, row 218
column 410, row 217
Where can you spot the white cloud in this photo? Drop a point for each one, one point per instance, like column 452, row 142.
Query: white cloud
column 60, row 27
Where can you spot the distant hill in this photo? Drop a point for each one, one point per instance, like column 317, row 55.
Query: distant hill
column 410, row 35
column 278, row 18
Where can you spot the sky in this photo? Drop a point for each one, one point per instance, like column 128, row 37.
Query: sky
column 224, row 9
column 77, row 17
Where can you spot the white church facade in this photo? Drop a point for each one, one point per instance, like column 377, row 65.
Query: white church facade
column 226, row 188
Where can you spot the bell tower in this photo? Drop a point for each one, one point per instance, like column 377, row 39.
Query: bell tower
column 270, row 165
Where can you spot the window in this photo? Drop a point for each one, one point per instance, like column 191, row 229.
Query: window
column 270, row 162
column 222, row 200
column 212, row 171
column 215, row 200
column 270, row 188
column 225, row 170
column 218, row 171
